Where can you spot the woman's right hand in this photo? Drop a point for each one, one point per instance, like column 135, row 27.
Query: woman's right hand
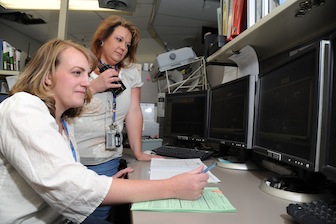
column 106, row 80
column 189, row 185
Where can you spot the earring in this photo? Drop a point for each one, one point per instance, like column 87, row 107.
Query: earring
column 101, row 43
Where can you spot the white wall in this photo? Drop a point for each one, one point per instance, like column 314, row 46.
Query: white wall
column 148, row 50
column 149, row 90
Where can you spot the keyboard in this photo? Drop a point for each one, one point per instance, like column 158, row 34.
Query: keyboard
column 315, row 212
column 182, row 153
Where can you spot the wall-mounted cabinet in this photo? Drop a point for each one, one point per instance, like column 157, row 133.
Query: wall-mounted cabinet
column 281, row 30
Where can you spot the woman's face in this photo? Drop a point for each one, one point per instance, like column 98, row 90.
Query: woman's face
column 116, row 46
column 71, row 80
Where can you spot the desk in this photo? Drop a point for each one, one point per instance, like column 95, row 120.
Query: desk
column 240, row 187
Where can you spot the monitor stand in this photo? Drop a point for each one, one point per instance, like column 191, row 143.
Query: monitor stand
column 236, row 158
column 230, row 162
column 291, row 188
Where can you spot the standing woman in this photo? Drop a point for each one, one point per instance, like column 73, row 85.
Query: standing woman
column 114, row 43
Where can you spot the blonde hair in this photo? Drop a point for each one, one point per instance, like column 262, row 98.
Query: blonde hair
column 44, row 62
column 106, row 28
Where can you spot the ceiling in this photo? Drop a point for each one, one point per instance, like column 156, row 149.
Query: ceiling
column 173, row 23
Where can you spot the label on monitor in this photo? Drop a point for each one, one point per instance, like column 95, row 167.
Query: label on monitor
column 234, row 144
column 274, row 155
column 187, row 138
column 181, row 137
column 198, row 139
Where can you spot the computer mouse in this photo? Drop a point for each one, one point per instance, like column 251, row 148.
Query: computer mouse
column 149, row 152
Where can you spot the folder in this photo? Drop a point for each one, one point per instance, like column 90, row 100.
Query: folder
column 212, row 200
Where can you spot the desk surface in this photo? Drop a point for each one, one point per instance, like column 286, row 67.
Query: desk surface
column 240, row 187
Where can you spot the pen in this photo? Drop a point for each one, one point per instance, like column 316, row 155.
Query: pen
column 209, row 168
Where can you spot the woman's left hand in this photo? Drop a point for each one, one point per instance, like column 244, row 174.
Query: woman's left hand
column 147, row 157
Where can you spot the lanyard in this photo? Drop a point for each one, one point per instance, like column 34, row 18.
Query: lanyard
column 114, row 108
column 71, row 145
column 114, row 103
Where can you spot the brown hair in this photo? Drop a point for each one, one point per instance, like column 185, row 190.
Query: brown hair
column 44, row 62
column 106, row 28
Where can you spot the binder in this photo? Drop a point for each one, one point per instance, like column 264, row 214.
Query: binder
column 238, row 18
column 5, row 53
column 229, row 15
column 250, row 12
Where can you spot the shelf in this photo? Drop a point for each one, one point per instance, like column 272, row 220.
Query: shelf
column 280, row 30
column 191, row 80
column 7, row 72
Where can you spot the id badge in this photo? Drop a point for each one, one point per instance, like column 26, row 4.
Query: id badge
column 113, row 138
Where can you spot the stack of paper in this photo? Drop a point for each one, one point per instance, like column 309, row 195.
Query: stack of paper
column 166, row 168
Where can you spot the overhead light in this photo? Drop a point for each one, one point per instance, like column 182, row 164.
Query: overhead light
column 91, row 5
column 114, row 4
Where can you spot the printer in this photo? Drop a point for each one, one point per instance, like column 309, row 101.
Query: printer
column 170, row 60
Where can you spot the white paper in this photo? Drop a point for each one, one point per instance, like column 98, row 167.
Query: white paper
column 166, row 168
column 230, row 73
column 247, row 61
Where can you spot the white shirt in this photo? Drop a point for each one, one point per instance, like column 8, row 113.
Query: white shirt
column 39, row 179
column 91, row 126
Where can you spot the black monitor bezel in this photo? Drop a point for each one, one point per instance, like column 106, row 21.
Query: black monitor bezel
column 313, row 163
column 186, row 136
column 328, row 169
column 249, row 113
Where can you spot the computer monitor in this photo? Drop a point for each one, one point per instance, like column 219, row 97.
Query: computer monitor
column 186, row 115
column 288, row 116
column 231, row 116
column 329, row 160
column 289, row 107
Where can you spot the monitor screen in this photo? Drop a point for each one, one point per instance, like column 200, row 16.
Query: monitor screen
column 288, row 107
column 329, row 163
column 231, row 112
column 186, row 115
